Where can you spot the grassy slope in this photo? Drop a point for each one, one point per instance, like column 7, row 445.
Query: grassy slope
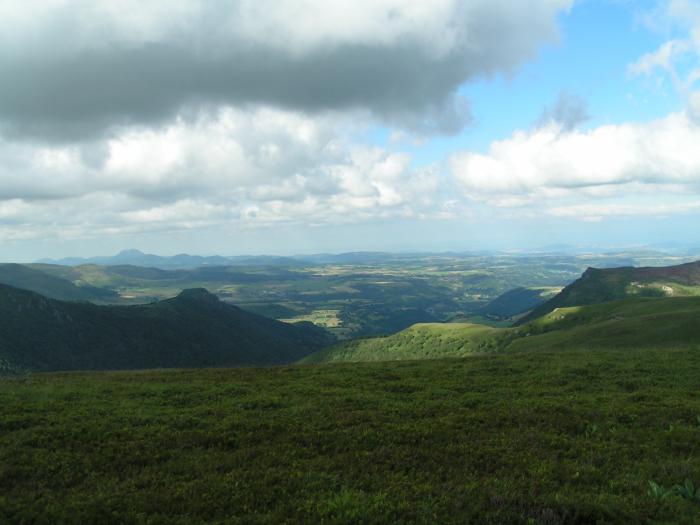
column 531, row 437
column 56, row 287
column 598, row 286
column 632, row 323
column 421, row 341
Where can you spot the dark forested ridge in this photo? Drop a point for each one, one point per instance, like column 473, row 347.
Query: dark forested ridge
column 193, row 329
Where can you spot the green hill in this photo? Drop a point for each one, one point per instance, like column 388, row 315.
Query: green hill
column 599, row 286
column 420, row 341
column 670, row 322
column 55, row 287
column 193, row 329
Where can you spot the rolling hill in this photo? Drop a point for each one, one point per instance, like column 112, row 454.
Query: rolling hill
column 193, row 329
column 420, row 341
column 603, row 285
column 631, row 324
column 53, row 286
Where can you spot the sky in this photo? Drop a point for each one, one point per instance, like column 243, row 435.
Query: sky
column 295, row 126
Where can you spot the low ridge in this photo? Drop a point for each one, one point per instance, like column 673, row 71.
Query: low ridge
column 597, row 286
column 35, row 280
column 194, row 329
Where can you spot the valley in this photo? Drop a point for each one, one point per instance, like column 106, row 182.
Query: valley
column 352, row 295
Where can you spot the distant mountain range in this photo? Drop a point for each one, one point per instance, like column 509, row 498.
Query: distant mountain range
column 603, row 285
column 180, row 261
column 193, row 329
column 185, row 261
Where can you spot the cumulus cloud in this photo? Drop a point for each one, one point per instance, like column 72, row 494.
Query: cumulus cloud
column 75, row 68
column 241, row 168
column 621, row 170
column 546, row 166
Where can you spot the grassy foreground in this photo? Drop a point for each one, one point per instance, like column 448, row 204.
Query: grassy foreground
column 532, row 437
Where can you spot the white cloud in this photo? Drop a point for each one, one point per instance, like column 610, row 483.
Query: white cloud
column 124, row 116
column 546, row 166
column 241, row 168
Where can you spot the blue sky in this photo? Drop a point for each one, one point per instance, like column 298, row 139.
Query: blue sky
column 242, row 129
column 599, row 40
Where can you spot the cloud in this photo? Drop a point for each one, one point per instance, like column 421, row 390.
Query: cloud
column 678, row 58
column 237, row 168
column 693, row 108
column 546, row 166
column 73, row 69
column 569, row 111
column 663, row 58
column 596, row 212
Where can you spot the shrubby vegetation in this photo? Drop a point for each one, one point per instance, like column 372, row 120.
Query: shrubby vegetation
column 531, row 437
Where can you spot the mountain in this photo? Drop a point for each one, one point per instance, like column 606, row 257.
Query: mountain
column 21, row 276
column 193, row 329
column 660, row 323
column 175, row 262
column 603, row 285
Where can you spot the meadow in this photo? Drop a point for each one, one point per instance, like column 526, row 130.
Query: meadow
column 537, row 437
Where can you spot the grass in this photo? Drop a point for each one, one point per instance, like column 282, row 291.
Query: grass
column 421, row 341
column 324, row 318
column 632, row 323
column 524, row 438
column 628, row 324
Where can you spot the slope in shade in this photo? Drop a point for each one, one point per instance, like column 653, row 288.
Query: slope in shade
column 53, row 286
column 193, row 329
